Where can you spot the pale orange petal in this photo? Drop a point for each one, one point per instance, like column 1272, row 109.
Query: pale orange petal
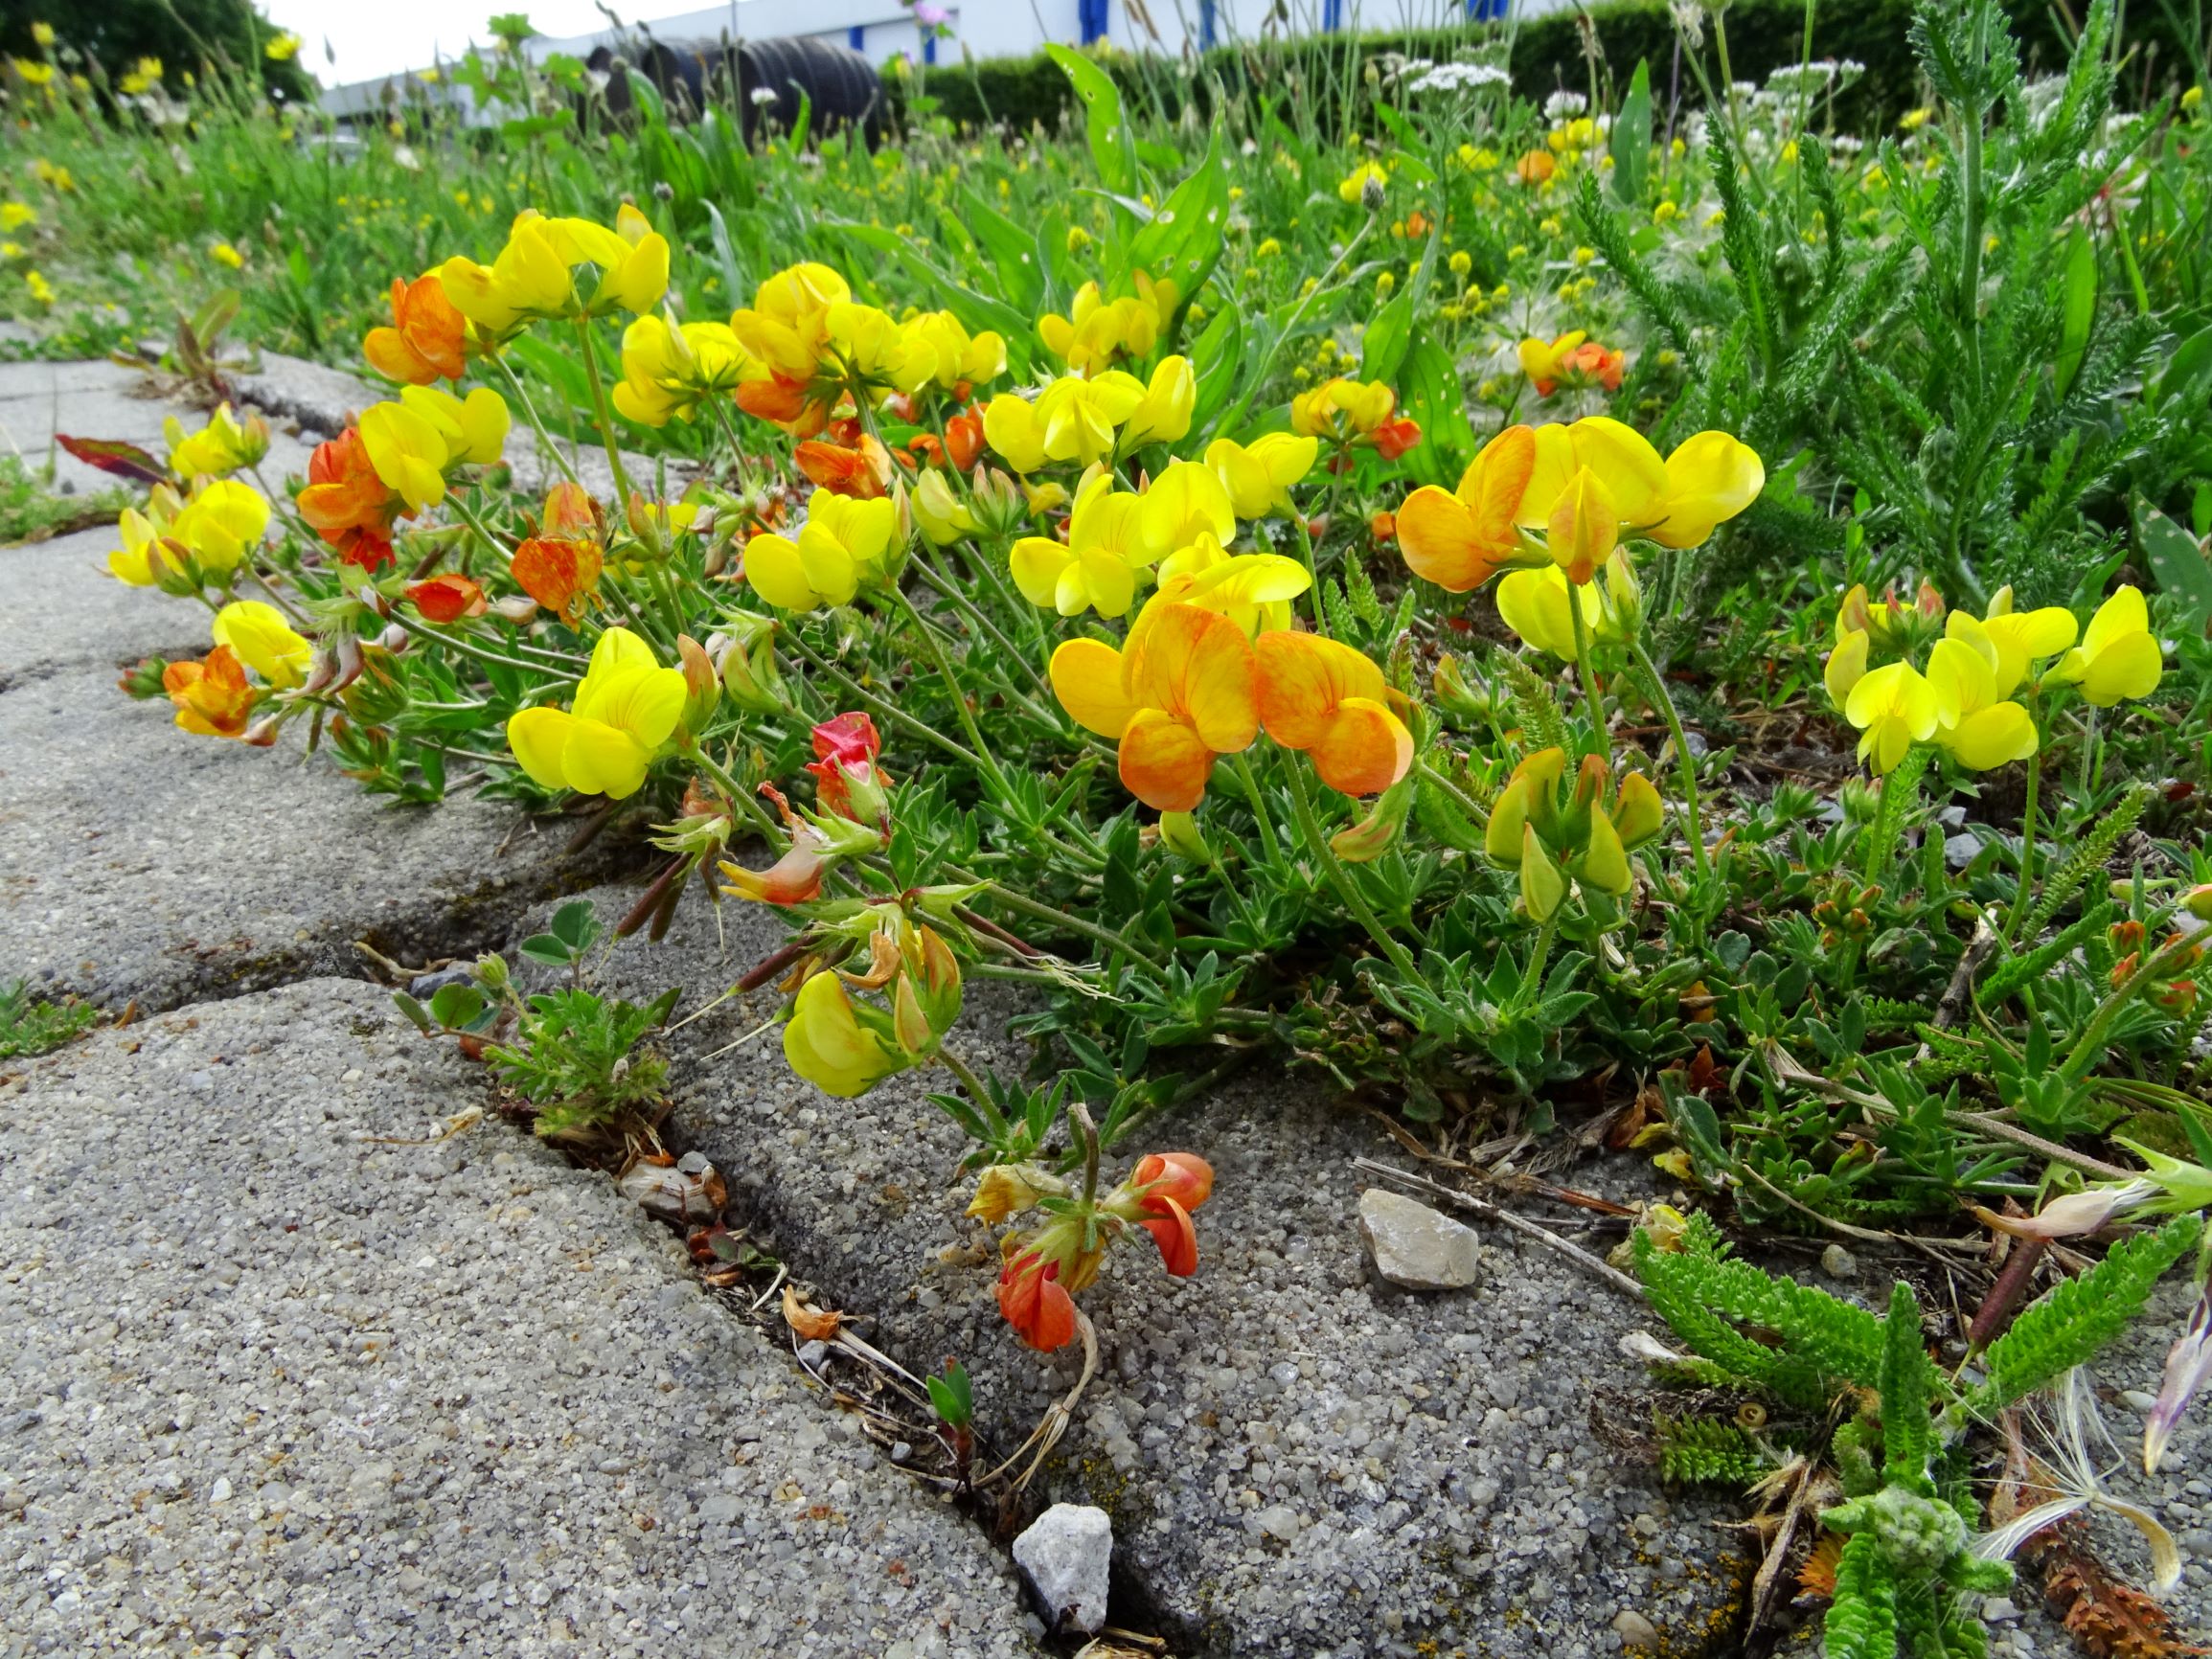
column 1164, row 763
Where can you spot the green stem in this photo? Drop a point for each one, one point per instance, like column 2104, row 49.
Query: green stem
column 1467, row 803
column 874, row 704
column 1313, row 573
column 1592, row 691
column 1971, row 216
column 1691, row 808
column 538, row 425
column 1063, row 919
column 1532, row 976
column 959, row 1068
column 937, row 653
column 606, row 413
column 470, row 648
column 2019, row 908
column 1310, row 830
column 1247, row 777
column 2093, row 1040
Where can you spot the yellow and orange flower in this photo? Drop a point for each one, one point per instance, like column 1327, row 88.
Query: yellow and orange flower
column 1323, row 697
column 1459, row 539
column 1181, row 692
column 348, row 504
column 212, row 697
column 427, row 339
column 1574, row 360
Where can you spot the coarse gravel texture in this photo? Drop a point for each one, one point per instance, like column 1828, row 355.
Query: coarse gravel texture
column 1298, row 1459
column 289, row 1376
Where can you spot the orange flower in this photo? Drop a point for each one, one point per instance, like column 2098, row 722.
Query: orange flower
column 1573, row 357
column 447, row 598
column 785, row 401
column 1182, row 691
column 1031, row 1300
column 863, row 472
column 427, row 337
column 1536, row 167
column 558, row 575
column 792, row 879
column 1173, row 1184
column 1457, row 540
column 349, row 507
column 964, row 441
column 1324, row 697
column 1394, row 438
column 1383, row 526
column 570, row 514
column 212, row 697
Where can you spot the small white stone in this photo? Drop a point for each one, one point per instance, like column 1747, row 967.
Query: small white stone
column 1838, row 1262
column 1635, row 1630
column 1415, row 1247
column 1066, row 1555
column 221, row 1491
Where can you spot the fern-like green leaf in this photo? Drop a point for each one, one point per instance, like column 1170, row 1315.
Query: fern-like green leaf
column 1908, row 1438
column 1861, row 1621
column 1533, row 700
column 2067, row 1328
column 1823, row 1340
column 2030, row 965
column 1697, row 1451
column 2085, row 859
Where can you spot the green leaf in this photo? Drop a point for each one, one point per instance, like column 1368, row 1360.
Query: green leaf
column 1185, row 237
column 1630, row 143
column 1908, row 1438
column 547, row 950
column 1217, row 356
column 417, row 1015
column 2179, row 564
column 2078, row 308
column 455, row 1005
column 1382, row 348
column 1112, row 145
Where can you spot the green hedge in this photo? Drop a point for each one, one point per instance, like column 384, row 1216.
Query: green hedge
column 1762, row 35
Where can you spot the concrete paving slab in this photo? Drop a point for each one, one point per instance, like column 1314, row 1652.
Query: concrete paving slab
column 287, row 1378
column 147, row 863
column 1299, row 1459
column 65, row 611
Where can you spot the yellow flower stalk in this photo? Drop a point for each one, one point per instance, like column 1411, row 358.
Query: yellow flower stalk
column 222, row 446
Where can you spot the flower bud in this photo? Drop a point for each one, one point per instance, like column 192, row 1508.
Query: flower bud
column 1378, row 831
column 518, row 608
column 702, row 686
column 1181, row 834
column 1542, row 885
column 492, row 972
column 394, row 639
column 1638, row 813
column 1508, row 820
column 1456, row 693
column 1621, row 613
column 2198, row 902
column 1007, row 1189
column 747, row 657
column 143, row 682
column 909, row 1023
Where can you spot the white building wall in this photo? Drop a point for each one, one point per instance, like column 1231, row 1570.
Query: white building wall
column 994, row 28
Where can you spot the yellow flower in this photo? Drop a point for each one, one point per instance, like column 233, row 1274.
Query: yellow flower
column 1846, row 665
column 1097, row 330
column 959, row 355
column 1895, row 709
column 1012, row 429
column 874, row 350
column 938, row 513
column 220, row 447
column 1913, row 120
column 1099, row 565
column 1534, row 604
column 1185, row 502
column 282, row 47
column 33, row 72
column 786, row 326
column 626, row 709
column 533, row 275
column 667, row 372
column 42, row 34
column 1077, row 418
column 220, row 523
column 1164, row 416
column 142, row 78
column 2012, row 640
column 1980, row 730
column 2119, row 657
column 141, row 562
column 1340, row 405
column 1353, row 184
column 263, row 641
column 1253, row 590
column 1677, row 502
column 40, row 288
column 1259, row 475
column 826, row 1043
column 844, row 543
column 223, row 254
column 1583, row 527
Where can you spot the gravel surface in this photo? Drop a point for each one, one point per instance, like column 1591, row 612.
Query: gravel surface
column 1298, row 1459
column 284, row 1382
